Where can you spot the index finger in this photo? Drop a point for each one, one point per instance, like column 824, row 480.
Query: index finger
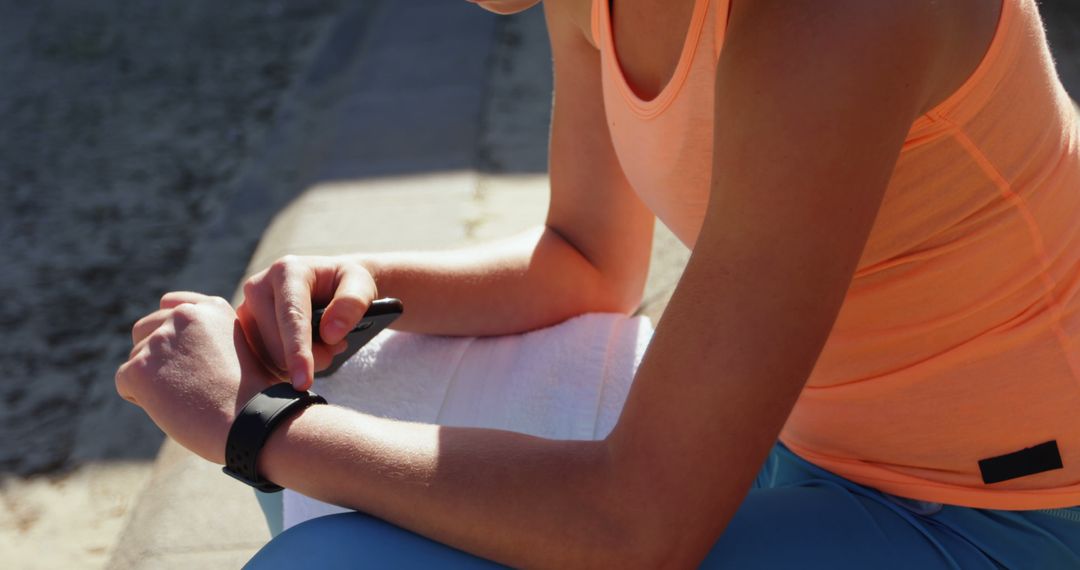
column 292, row 306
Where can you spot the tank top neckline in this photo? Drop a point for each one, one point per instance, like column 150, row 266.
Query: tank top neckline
column 670, row 90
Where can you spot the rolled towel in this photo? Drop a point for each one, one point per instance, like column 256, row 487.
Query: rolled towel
column 567, row 381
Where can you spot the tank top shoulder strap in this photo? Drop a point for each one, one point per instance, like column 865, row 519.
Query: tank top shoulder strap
column 721, row 16
column 594, row 21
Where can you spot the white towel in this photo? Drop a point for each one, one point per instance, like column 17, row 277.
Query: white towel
column 568, row 381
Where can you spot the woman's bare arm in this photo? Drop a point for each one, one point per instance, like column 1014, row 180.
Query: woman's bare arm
column 814, row 101
column 591, row 255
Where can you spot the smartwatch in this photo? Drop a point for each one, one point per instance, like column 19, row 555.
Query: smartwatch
column 252, row 427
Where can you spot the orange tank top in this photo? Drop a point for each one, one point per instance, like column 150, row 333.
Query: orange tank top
column 952, row 373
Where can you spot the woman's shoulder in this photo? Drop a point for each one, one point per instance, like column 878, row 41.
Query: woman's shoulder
column 575, row 15
column 954, row 34
column 948, row 37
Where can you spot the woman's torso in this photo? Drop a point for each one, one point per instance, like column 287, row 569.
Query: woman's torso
column 957, row 340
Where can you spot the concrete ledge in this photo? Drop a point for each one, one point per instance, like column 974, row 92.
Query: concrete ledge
column 194, row 517
column 427, row 211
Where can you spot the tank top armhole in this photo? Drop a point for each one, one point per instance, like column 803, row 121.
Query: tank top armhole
column 594, row 22
column 925, row 122
column 721, row 17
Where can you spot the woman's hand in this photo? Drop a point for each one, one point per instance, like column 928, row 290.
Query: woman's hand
column 191, row 370
column 276, row 312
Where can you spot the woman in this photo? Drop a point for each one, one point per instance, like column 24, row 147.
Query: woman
column 881, row 198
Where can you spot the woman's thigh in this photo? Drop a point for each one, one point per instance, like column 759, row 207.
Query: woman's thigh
column 355, row 540
column 820, row 524
column 799, row 515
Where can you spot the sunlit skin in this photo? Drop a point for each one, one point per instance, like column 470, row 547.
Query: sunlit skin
column 788, row 216
column 505, row 6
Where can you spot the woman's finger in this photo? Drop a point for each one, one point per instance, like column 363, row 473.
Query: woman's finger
column 354, row 294
column 148, row 324
column 151, row 341
column 174, row 299
column 323, row 356
column 140, row 346
column 258, row 318
column 121, row 381
column 292, row 304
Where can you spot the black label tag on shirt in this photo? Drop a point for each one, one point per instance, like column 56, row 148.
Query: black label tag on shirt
column 1027, row 461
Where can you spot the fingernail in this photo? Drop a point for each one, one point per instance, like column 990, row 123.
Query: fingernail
column 298, row 380
column 337, row 328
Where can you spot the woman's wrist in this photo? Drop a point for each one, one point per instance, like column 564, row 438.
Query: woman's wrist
column 327, row 452
column 278, row 450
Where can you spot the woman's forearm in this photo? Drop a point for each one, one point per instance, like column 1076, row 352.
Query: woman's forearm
column 513, row 498
column 532, row 280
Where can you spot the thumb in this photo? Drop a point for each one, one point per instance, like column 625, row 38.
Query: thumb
column 353, row 296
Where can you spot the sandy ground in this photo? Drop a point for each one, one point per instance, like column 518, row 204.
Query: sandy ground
column 124, row 123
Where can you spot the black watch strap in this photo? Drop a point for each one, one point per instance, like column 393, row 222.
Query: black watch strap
column 252, row 427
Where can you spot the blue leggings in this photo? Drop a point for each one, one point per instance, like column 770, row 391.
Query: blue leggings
column 797, row 515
